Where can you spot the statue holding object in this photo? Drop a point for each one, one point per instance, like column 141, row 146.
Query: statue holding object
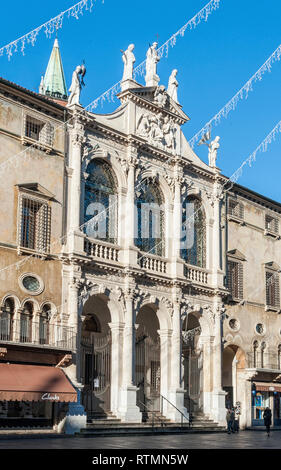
column 76, row 85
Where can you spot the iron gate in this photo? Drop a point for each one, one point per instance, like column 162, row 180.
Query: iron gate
column 148, row 373
column 96, row 373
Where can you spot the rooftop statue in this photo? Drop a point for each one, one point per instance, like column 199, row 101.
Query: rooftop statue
column 173, row 86
column 213, row 150
column 129, row 60
column 76, row 85
column 152, row 59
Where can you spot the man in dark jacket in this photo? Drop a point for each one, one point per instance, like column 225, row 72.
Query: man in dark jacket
column 267, row 419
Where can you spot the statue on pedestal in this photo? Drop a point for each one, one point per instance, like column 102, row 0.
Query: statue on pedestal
column 76, row 85
column 129, row 60
column 173, row 86
column 152, row 59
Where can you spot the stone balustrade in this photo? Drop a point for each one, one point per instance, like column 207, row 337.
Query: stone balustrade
column 196, row 274
column 102, row 250
column 153, row 263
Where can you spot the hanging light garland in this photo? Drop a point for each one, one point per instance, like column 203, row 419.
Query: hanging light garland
column 202, row 15
column 49, row 28
column 240, row 95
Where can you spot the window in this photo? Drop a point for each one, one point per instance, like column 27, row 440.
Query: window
column 100, row 203
column 150, row 216
column 271, row 224
column 34, row 224
column 235, row 208
column 272, row 289
column 38, row 130
column 26, row 323
column 194, row 226
column 255, row 348
column 6, row 317
column 44, row 324
column 235, row 279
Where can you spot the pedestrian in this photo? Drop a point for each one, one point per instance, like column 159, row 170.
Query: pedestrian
column 267, row 419
column 232, row 417
column 229, row 421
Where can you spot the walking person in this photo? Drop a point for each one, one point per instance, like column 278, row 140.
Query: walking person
column 267, row 415
column 229, row 420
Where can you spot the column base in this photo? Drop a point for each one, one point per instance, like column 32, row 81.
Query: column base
column 176, row 397
column 218, row 407
column 128, row 411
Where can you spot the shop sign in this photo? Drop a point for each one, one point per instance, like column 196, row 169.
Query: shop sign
column 48, row 396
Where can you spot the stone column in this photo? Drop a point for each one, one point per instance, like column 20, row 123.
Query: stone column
column 116, row 364
column 176, row 395
column 218, row 394
column 216, row 201
column 77, row 138
column 207, row 343
column 165, row 344
column 129, row 410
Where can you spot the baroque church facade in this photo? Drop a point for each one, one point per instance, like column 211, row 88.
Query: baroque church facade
column 144, row 307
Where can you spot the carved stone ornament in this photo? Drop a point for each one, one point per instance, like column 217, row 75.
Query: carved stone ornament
column 158, row 130
column 160, row 96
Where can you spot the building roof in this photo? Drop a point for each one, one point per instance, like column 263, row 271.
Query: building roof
column 53, row 84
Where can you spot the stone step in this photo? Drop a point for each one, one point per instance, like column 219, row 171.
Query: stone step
column 146, row 430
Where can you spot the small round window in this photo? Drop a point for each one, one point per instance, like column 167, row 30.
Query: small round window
column 260, row 328
column 31, row 283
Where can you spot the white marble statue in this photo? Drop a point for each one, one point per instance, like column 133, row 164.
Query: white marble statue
column 213, row 150
column 76, row 85
column 152, row 59
column 129, row 60
column 173, row 86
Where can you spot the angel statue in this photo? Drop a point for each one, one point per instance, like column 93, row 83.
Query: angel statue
column 129, row 60
column 213, row 150
column 76, row 85
column 213, row 147
column 173, row 86
column 152, row 58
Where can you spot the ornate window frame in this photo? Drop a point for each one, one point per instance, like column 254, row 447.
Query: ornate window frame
column 38, row 278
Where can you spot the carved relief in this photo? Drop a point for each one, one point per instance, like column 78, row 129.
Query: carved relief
column 158, row 130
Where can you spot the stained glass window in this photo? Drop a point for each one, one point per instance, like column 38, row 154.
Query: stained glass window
column 193, row 245
column 150, row 216
column 100, row 203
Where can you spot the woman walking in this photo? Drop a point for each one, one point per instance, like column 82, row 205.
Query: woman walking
column 267, row 419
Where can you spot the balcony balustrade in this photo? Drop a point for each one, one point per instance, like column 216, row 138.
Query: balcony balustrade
column 196, row 274
column 102, row 250
column 152, row 263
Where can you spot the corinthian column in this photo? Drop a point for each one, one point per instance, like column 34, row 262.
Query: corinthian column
column 218, row 393
column 217, row 272
column 177, row 264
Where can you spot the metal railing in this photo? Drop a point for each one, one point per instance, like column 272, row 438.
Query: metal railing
column 153, row 413
column 181, row 413
column 27, row 331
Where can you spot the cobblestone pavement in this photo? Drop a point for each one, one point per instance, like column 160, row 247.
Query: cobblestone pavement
column 243, row 440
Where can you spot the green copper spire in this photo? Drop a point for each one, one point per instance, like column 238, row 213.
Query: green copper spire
column 53, row 83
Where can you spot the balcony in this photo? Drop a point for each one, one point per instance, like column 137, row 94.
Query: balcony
column 260, row 360
column 27, row 332
column 152, row 263
column 101, row 250
column 195, row 274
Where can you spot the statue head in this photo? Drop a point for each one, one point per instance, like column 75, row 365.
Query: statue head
column 217, row 139
column 174, row 72
column 131, row 47
column 154, row 45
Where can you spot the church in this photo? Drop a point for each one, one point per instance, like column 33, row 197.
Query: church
column 138, row 283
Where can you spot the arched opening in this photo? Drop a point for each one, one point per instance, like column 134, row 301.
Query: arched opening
column 150, row 217
column 26, row 323
column 191, row 364
column 100, row 202
column 44, row 324
column 147, row 361
column 96, row 357
column 193, row 246
column 6, row 319
column 233, row 365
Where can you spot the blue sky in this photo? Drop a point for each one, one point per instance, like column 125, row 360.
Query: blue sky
column 214, row 61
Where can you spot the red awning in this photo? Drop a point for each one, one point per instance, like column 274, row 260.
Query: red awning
column 35, row 383
column 268, row 387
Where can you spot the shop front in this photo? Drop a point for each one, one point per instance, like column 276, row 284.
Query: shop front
column 33, row 396
column 266, row 395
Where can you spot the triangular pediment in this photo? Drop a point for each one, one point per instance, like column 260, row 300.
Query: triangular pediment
column 236, row 254
column 37, row 189
column 272, row 265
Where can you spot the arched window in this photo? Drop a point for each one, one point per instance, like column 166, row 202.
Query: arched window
column 44, row 319
column 193, row 245
column 26, row 323
column 263, row 348
column 100, row 203
column 150, row 216
column 6, row 318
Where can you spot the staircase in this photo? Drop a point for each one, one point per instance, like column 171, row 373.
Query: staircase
column 155, row 423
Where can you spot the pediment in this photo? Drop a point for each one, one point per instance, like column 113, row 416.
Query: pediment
column 272, row 265
column 236, row 254
column 37, row 189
